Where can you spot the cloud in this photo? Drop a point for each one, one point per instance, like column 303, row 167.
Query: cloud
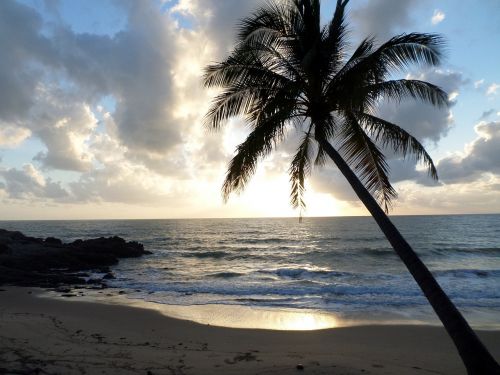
column 481, row 196
column 64, row 125
column 67, row 71
column 12, row 137
column 149, row 142
column 437, row 17
column 28, row 183
column 492, row 89
column 385, row 18
column 479, row 83
column 486, row 114
column 480, row 157
column 478, row 162
column 125, row 183
column 135, row 68
column 24, row 48
column 118, row 109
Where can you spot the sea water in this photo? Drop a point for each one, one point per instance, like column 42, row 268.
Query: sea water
column 341, row 265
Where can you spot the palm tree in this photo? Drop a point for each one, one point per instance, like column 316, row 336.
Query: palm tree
column 285, row 71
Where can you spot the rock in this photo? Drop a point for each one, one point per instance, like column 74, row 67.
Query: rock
column 116, row 246
column 4, row 248
column 53, row 241
column 29, row 261
column 300, row 366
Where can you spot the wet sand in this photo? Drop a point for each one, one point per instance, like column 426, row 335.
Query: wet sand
column 53, row 336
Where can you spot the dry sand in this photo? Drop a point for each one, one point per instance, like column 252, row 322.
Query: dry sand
column 51, row 336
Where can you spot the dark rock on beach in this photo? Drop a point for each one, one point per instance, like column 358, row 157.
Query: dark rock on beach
column 29, row 261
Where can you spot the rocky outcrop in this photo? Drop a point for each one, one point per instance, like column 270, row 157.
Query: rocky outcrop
column 29, row 261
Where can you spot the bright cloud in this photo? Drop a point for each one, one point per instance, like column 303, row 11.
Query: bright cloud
column 437, row 17
column 492, row 89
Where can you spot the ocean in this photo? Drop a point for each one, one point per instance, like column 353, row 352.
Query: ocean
column 341, row 265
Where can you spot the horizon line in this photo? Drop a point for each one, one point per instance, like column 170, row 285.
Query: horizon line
column 253, row 217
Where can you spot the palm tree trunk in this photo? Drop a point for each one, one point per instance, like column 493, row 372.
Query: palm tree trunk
column 474, row 354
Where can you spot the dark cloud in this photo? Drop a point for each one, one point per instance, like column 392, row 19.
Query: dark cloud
column 23, row 48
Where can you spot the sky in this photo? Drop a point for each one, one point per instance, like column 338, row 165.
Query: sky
column 102, row 105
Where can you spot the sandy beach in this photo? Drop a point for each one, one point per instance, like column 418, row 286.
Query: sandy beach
column 40, row 335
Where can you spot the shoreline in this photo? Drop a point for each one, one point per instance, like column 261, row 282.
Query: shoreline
column 238, row 316
column 254, row 316
column 76, row 337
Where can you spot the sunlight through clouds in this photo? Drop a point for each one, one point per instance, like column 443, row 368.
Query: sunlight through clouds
column 116, row 117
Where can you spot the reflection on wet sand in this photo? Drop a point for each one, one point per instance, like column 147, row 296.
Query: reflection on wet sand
column 226, row 315
column 248, row 317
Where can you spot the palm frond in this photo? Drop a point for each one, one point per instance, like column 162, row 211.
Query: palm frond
column 260, row 142
column 374, row 66
column 249, row 71
column 276, row 17
column 299, row 169
column 325, row 130
column 399, row 140
column 320, row 157
column 403, row 88
column 367, row 160
column 334, row 39
column 414, row 48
